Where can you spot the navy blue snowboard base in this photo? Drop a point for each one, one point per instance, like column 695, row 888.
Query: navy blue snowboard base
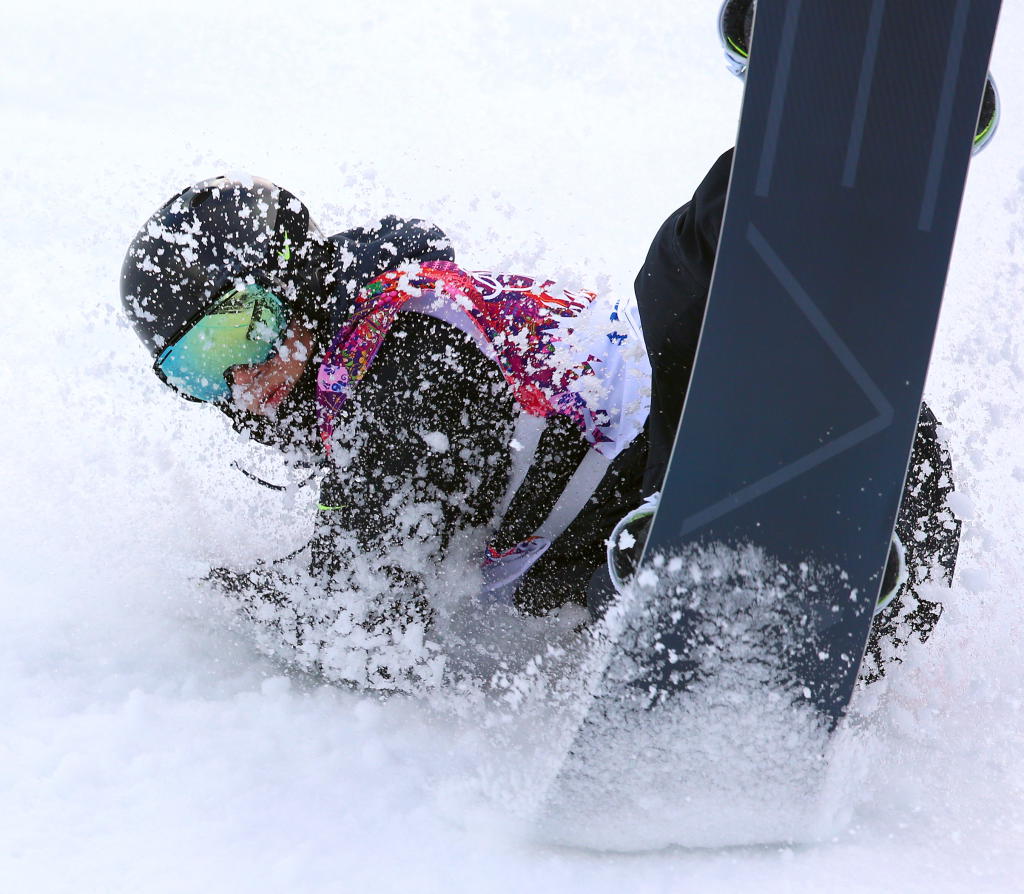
column 790, row 458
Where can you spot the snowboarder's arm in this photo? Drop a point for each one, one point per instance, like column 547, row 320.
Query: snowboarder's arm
column 367, row 252
column 422, row 452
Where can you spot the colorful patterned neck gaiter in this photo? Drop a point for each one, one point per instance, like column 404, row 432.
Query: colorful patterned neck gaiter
column 562, row 352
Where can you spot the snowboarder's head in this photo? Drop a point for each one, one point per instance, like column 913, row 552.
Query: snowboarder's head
column 736, row 28
column 224, row 279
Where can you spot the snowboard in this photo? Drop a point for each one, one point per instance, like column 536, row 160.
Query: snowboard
column 781, row 495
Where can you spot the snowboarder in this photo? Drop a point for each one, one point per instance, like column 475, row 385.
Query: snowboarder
column 499, row 415
column 494, row 414
column 496, row 420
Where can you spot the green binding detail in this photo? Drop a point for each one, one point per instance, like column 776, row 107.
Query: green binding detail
column 323, row 508
column 739, row 49
column 984, row 133
column 285, row 254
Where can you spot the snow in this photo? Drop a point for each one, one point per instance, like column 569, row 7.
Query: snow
column 146, row 744
column 436, row 441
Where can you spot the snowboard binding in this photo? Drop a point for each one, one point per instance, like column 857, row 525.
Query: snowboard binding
column 735, row 30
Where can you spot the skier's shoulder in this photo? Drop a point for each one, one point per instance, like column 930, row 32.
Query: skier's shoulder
column 391, row 242
column 429, row 374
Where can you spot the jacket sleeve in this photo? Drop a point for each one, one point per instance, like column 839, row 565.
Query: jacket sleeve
column 672, row 294
column 420, row 455
column 364, row 253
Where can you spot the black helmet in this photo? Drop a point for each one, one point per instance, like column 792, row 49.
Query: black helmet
column 735, row 30
column 208, row 235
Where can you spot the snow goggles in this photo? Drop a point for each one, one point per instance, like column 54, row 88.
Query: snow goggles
column 736, row 24
column 243, row 327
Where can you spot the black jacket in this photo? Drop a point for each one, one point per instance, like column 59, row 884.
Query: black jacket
column 429, row 378
column 672, row 295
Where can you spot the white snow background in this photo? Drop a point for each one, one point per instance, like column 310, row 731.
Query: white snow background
column 145, row 744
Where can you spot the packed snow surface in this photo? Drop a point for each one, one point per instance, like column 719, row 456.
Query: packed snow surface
column 147, row 744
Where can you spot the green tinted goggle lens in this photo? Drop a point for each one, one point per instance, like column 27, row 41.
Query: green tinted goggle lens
column 242, row 328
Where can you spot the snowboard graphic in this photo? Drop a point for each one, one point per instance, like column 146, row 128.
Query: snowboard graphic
column 782, row 492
